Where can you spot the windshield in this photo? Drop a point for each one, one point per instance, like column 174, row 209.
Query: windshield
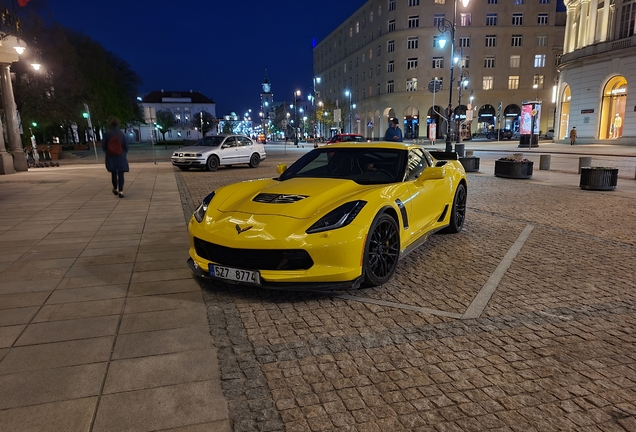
column 365, row 165
column 210, row 141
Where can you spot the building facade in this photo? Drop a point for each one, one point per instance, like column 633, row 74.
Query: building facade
column 598, row 63
column 183, row 105
column 389, row 55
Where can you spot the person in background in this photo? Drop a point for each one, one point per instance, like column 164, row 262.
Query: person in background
column 573, row 136
column 115, row 146
column 393, row 133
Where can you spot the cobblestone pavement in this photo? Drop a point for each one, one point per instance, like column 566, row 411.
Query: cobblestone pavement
column 552, row 350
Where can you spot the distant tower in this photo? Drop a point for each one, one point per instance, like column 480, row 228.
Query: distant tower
column 267, row 104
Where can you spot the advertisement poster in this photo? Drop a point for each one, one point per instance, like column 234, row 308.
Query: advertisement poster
column 432, row 131
column 526, row 118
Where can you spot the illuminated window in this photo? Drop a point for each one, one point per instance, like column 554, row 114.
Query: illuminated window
column 487, row 83
column 513, row 82
column 515, row 61
column 411, row 84
column 539, row 60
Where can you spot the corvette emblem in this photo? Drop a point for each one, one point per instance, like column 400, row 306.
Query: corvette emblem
column 240, row 230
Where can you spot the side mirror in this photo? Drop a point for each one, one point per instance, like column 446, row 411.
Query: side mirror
column 432, row 173
column 281, row 168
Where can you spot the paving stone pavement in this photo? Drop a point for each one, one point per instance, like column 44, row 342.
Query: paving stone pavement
column 553, row 349
column 102, row 327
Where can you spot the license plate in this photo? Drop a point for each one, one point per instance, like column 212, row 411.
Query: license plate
column 181, row 160
column 235, row 274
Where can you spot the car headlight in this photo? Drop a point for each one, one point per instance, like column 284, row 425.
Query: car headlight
column 199, row 213
column 338, row 218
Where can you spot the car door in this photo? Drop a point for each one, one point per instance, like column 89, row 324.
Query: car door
column 228, row 153
column 428, row 197
column 245, row 149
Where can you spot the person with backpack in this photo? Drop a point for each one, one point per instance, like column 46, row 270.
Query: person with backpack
column 115, row 146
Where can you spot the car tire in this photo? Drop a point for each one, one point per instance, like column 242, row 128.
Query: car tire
column 458, row 211
column 381, row 251
column 212, row 163
column 184, row 168
column 255, row 160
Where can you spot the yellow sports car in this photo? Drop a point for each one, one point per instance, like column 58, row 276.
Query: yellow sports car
column 340, row 216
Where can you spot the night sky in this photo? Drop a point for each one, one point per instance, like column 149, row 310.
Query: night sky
column 218, row 48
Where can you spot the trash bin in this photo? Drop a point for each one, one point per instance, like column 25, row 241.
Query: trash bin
column 459, row 149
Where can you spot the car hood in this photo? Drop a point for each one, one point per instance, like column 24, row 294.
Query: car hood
column 299, row 198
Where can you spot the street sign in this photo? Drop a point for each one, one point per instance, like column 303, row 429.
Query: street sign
column 434, row 86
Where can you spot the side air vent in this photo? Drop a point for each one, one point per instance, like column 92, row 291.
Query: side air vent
column 277, row 198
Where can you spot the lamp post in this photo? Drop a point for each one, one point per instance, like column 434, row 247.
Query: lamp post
column 463, row 82
column 446, row 26
column 348, row 93
column 316, row 80
column 296, row 94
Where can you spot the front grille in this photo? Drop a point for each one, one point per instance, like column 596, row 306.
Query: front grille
column 258, row 259
column 277, row 198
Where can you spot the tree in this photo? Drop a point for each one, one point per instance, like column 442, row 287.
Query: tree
column 165, row 121
column 209, row 122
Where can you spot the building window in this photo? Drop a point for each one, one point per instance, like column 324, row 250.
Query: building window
column 492, row 2
column 390, row 86
column 357, row 62
column 438, row 62
column 412, row 43
column 519, row 2
column 358, row 27
column 414, row 21
column 516, row 41
column 491, row 40
column 491, row 19
column 487, row 83
column 391, row 25
column 414, row 2
column 628, row 20
column 364, row 75
column 390, row 46
column 411, row 63
column 440, row 1
column 489, row 62
column 438, row 19
column 371, row 73
column 370, row 54
column 350, row 32
column 390, row 66
column 466, row 62
column 436, row 40
column 379, row 50
column 517, row 19
column 411, row 84
column 379, row 70
column 539, row 60
column 513, row 82
column 542, row 41
column 542, row 19
column 515, row 61
column 464, row 19
column 371, row 17
column 379, row 88
column 391, row 5
column 538, row 81
column 464, row 42
column 544, row 1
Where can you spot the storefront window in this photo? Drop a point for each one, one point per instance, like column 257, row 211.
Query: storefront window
column 613, row 108
column 565, row 113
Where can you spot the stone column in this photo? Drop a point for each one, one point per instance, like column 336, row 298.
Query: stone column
column 8, row 102
column 568, row 43
column 6, row 160
column 591, row 28
column 583, row 24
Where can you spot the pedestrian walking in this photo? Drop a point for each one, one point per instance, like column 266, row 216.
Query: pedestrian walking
column 115, row 146
column 393, row 133
column 573, row 136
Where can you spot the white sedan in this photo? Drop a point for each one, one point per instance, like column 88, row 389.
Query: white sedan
column 210, row 152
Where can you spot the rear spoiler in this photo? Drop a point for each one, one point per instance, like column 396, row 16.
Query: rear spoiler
column 442, row 155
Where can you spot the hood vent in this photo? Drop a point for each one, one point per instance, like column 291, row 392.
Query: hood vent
column 277, row 198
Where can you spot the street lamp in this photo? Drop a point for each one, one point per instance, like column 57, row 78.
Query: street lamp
column 296, row 94
column 348, row 93
column 446, row 26
column 316, row 80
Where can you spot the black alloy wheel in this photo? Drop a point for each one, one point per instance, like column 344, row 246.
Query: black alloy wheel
column 458, row 212
column 213, row 163
column 381, row 251
column 255, row 160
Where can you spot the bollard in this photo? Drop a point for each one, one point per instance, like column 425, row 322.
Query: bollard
column 544, row 162
column 584, row 161
column 459, row 149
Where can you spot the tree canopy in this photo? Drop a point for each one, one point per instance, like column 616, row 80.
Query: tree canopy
column 76, row 70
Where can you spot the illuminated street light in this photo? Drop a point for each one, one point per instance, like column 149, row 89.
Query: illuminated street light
column 447, row 27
